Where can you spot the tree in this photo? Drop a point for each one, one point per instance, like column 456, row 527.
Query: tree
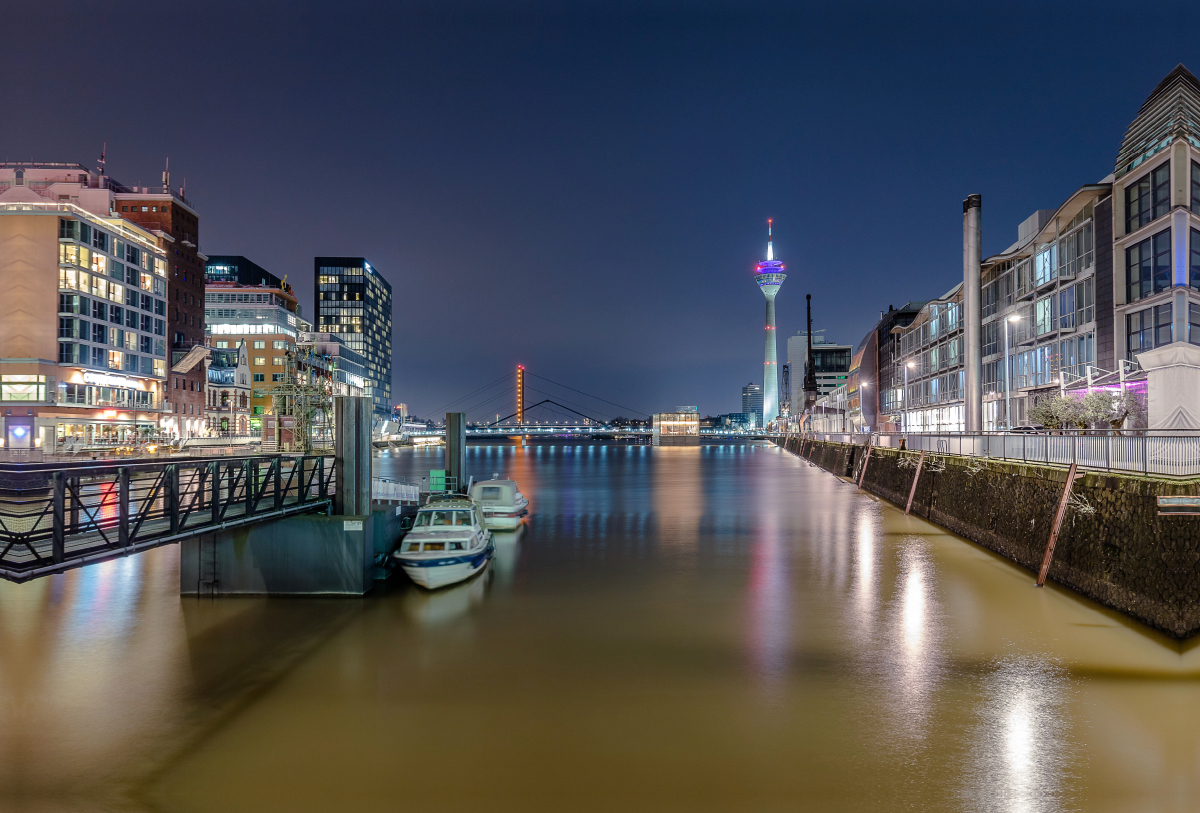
column 1113, row 407
column 1059, row 412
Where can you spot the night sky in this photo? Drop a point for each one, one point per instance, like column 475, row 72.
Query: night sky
column 583, row 187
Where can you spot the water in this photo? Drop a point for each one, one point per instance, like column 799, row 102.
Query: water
column 676, row 629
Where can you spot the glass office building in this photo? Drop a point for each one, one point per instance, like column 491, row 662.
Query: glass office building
column 354, row 303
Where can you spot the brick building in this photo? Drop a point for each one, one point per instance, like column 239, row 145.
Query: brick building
column 169, row 215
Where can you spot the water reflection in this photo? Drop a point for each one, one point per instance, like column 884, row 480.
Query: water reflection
column 1022, row 757
column 722, row 628
column 431, row 608
column 916, row 640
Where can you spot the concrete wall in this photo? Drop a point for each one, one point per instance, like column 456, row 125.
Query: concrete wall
column 1123, row 555
column 309, row 554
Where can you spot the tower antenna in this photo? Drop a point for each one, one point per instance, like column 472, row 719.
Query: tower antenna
column 770, row 252
column 167, row 176
column 103, row 149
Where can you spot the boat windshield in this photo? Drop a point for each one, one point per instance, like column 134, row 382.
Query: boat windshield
column 490, row 493
column 437, row 519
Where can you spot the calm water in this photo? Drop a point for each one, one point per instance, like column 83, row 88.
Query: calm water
column 720, row 628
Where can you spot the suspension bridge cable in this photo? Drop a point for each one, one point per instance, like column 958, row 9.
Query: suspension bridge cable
column 479, row 405
column 469, row 395
column 589, row 395
column 566, row 402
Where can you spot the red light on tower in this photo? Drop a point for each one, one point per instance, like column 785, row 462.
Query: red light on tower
column 520, row 395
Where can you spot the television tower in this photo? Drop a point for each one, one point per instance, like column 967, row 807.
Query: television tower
column 769, row 276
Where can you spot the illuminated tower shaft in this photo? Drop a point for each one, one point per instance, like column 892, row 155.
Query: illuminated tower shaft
column 769, row 276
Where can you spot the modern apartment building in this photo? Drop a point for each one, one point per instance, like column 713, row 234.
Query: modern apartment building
column 83, row 344
column 1155, row 227
column 265, row 314
column 930, row 363
column 354, row 303
column 174, row 221
column 1112, row 272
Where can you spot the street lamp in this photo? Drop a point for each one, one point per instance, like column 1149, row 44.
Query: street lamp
column 904, row 414
column 1007, row 387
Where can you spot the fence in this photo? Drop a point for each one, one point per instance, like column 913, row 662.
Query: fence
column 1158, row 454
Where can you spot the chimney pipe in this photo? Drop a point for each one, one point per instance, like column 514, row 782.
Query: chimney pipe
column 972, row 314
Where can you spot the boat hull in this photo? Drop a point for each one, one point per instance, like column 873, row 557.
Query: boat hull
column 434, row 573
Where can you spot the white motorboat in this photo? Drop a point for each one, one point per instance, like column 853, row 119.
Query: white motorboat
column 449, row 543
column 504, row 506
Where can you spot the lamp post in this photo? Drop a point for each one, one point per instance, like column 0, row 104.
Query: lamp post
column 1007, row 386
column 904, row 414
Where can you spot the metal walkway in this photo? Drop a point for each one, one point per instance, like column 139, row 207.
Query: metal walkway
column 54, row 518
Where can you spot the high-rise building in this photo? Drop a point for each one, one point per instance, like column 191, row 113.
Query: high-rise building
column 752, row 402
column 769, row 276
column 265, row 314
column 170, row 216
column 354, row 302
column 83, row 355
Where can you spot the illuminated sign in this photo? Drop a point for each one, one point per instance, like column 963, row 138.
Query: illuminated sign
column 109, row 380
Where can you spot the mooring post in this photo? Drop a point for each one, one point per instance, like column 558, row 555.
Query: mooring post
column 456, row 448
column 912, row 492
column 352, row 455
column 862, row 475
column 1058, row 518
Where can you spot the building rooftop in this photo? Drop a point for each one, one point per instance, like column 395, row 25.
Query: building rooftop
column 1171, row 110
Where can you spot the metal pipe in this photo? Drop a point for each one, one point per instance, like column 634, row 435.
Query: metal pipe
column 972, row 314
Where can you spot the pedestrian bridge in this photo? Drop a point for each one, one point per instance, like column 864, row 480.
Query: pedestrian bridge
column 55, row 517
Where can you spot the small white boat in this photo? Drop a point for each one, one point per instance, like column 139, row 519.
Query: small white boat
column 449, row 543
column 504, row 506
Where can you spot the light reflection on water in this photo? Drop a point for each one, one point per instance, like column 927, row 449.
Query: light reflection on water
column 703, row 628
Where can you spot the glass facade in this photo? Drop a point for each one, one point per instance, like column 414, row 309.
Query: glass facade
column 1148, row 266
column 1147, row 329
column 354, row 303
column 1148, row 198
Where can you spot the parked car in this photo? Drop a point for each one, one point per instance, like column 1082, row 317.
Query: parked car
column 1031, row 429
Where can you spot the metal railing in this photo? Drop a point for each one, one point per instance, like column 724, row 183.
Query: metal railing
column 56, row 517
column 1136, row 451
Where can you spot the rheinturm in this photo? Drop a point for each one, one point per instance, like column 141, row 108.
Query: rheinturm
column 769, row 276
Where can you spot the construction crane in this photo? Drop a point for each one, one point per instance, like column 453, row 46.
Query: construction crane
column 306, row 395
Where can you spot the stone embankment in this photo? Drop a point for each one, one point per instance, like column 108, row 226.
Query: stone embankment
column 1113, row 548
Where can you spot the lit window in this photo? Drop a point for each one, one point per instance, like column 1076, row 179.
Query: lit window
column 260, row 361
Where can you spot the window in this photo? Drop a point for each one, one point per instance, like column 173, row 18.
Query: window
column 276, row 361
column 1147, row 329
column 260, row 377
column 1148, row 198
column 99, row 240
column 1193, row 313
column 115, row 314
column 1044, row 315
column 1148, row 266
column 222, row 345
column 99, row 334
column 1045, row 265
column 1194, row 275
column 22, row 388
column 115, row 359
column 70, row 353
column 1196, row 187
column 277, row 376
column 279, row 345
column 259, row 361
column 99, row 357
column 259, row 344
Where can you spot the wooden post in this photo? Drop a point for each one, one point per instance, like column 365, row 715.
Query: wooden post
column 913, row 491
column 1058, row 518
column 862, row 475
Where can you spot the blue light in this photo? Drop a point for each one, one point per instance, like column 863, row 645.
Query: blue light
column 19, row 431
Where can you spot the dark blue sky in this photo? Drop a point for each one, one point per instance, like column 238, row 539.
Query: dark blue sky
column 582, row 187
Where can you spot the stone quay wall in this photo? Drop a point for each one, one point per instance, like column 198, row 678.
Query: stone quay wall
column 1120, row 553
